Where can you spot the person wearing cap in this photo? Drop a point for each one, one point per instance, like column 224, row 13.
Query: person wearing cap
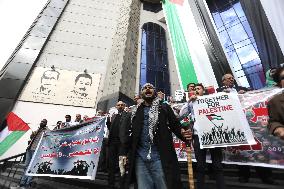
column 151, row 154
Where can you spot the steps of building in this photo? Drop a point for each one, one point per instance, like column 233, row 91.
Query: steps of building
column 11, row 176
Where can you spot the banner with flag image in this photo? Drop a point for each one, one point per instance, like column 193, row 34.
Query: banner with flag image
column 214, row 117
column 221, row 122
column 14, row 129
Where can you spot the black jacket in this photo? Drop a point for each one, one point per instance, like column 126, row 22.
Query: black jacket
column 124, row 124
column 167, row 123
column 238, row 88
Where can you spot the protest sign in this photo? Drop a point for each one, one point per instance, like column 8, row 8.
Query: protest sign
column 179, row 95
column 71, row 152
column 220, row 121
column 268, row 150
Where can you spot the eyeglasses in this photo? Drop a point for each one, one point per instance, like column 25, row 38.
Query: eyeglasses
column 148, row 87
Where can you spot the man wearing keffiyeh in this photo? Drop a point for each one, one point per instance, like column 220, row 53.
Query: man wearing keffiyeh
column 152, row 157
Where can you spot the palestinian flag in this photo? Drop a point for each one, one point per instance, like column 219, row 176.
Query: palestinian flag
column 191, row 59
column 214, row 117
column 15, row 128
column 185, row 122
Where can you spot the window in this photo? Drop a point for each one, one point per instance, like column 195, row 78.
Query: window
column 238, row 42
column 154, row 58
column 152, row 7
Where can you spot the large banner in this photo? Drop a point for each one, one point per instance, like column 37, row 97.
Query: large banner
column 268, row 150
column 221, row 122
column 71, row 153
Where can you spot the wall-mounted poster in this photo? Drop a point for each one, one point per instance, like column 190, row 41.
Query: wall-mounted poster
column 65, row 87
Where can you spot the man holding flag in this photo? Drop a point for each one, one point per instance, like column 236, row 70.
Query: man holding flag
column 35, row 139
column 14, row 129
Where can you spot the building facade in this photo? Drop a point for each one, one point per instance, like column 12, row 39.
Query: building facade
column 79, row 56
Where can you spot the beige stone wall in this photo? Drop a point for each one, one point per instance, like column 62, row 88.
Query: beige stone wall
column 103, row 37
column 83, row 38
column 121, row 73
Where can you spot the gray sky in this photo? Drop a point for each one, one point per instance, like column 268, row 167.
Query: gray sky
column 16, row 16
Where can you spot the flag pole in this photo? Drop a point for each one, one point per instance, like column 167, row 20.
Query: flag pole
column 188, row 125
column 189, row 166
column 213, row 123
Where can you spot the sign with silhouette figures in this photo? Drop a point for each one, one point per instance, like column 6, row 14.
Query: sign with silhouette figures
column 220, row 121
column 268, row 150
column 71, row 152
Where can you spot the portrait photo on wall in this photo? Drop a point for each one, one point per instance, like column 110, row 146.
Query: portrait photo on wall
column 55, row 86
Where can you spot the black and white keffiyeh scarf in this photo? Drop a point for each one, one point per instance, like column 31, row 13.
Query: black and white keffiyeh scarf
column 153, row 120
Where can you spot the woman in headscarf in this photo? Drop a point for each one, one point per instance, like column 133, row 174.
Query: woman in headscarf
column 269, row 77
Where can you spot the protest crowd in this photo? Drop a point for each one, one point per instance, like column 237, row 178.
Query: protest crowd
column 138, row 142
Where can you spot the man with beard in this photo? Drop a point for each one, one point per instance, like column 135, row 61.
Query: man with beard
column 35, row 138
column 78, row 119
column 80, row 94
column 83, row 83
column 116, row 137
column 68, row 122
column 152, row 156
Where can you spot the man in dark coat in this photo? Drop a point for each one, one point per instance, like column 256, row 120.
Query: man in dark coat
column 35, row 139
column 276, row 107
column 116, row 137
column 244, row 170
column 152, row 157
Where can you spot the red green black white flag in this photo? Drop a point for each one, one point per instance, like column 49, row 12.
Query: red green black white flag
column 15, row 128
column 214, row 117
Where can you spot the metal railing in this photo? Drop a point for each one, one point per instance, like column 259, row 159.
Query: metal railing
column 10, row 162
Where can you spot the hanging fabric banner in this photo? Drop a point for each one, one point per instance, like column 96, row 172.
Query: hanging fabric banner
column 269, row 150
column 71, row 153
column 190, row 55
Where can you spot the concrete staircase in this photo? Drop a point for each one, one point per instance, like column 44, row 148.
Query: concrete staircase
column 11, row 175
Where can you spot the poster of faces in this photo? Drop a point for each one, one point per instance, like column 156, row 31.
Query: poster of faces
column 64, row 87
